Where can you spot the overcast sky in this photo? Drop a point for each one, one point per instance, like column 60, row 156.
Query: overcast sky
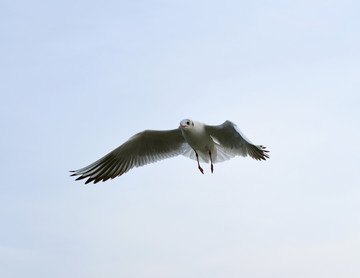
column 78, row 78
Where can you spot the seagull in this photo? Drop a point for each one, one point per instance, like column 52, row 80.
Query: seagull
column 193, row 139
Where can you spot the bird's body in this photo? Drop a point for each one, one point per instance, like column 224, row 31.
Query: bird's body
column 198, row 139
column 193, row 139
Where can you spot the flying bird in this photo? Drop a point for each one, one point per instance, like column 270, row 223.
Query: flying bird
column 193, row 139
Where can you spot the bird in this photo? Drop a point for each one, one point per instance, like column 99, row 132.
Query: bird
column 198, row 141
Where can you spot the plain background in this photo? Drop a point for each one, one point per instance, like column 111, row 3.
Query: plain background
column 78, row 78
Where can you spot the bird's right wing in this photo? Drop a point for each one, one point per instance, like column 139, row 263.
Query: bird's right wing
column 143, row 148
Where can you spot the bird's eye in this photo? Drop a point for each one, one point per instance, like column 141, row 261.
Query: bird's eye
column 187, row 122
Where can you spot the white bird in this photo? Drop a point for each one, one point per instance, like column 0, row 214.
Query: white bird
column 192, row 139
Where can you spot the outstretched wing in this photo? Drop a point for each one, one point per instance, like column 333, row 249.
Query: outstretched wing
column 231, row 142
column 143, row 148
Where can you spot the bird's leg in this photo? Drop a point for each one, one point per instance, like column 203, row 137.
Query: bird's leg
column 212, row 166
column 197, row 157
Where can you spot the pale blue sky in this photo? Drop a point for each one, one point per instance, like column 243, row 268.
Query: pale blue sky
column 78, row 78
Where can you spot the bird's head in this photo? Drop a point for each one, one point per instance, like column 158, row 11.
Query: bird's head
column 185, row 124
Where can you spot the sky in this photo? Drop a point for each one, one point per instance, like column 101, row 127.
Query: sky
column 78, row 78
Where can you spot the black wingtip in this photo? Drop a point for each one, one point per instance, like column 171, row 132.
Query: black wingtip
column 80, row 178
column 90, row 180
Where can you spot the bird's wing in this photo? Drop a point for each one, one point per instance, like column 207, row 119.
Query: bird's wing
column 230, row 142
column 143, row 148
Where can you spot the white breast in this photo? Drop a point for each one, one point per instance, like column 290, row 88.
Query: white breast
column 198, row 138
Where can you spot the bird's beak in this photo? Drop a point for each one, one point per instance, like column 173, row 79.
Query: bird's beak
column 181, row 126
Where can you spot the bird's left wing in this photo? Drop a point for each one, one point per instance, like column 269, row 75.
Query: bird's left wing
column 231, row 142
column 143, row 148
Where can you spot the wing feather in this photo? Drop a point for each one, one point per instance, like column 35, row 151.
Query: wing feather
column 230, row 141
column 143, row 148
